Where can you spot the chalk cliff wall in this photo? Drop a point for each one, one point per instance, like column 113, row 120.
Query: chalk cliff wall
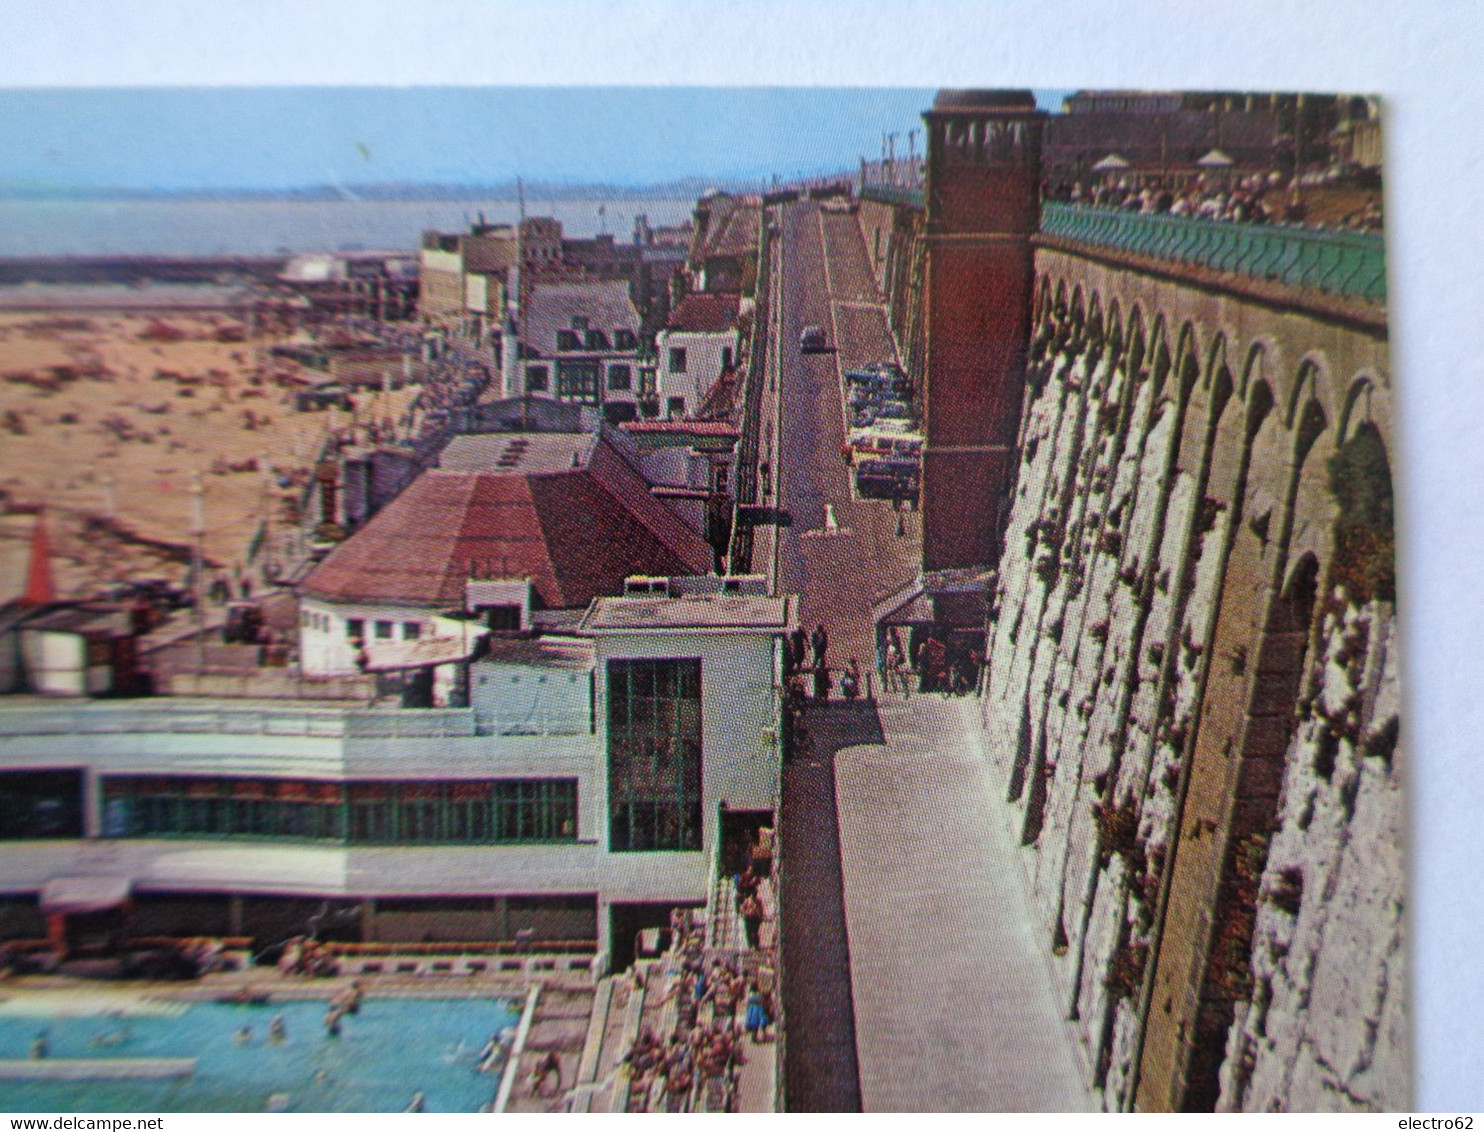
column 1192, row 691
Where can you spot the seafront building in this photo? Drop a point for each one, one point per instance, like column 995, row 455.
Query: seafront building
column 581, row 795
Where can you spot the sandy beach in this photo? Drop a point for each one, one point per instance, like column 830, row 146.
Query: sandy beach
column 109, row 416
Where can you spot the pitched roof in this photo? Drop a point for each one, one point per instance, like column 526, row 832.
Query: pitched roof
column 705, row 313
column 576, row 533
column 552, row 306
column 737, row 233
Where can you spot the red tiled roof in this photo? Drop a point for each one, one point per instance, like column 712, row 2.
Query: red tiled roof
column 577, row 534
column 705, row 313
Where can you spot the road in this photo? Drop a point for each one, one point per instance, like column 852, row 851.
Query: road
column 836, row 577
column 914, row 979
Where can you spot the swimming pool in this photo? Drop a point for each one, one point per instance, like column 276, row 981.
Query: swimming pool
column 393, row 1048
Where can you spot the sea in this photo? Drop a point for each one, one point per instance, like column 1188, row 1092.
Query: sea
column 278, row 227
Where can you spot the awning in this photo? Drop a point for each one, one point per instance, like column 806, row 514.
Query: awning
column 71, row 896
column 909, row 605
column 1216, row 159
column 398, row 656
column 1112, row 161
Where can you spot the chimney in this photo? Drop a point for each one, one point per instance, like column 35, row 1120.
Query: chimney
column 40, row 587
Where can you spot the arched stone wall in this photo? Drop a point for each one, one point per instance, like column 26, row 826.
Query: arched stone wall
column 1150, row 668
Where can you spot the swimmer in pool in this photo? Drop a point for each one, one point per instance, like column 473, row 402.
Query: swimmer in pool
column 243, row 1036
column 111, row 1037
column 41, row 1046
column 332, row 1022
column 277, row 1030
column 416, row 1104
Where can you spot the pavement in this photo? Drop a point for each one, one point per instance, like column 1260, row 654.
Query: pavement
column 955, row 1007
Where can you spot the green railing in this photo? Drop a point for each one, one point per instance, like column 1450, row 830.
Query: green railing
column 1352, row 264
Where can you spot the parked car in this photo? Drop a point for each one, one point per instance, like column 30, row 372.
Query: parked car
column 888, row 479
column 813, row 341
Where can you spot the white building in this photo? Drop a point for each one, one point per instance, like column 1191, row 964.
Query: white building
column 575, row 802
column 699, row 344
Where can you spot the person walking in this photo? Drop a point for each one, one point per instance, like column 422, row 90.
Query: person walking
column 820, row 642
column 892, row 673
column 850, row 681
column 798, row 645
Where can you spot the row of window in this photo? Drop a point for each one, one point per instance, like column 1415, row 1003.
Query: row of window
column 466, row 812
column 579, row 380
column 596, row 340
column 355, row 627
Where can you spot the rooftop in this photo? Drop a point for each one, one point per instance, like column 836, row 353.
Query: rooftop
column 576, row 532
column 517, row 452
column 705, row 313
column 710, row 611
column 540, row 652
column 552, row 307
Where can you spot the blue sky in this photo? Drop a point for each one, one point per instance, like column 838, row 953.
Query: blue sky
column 284, row 137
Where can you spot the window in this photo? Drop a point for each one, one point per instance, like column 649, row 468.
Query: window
column 537, row 379
column 411, row 630
column 676, row 406
column 502, row 618
column 355, row 629
column 568, row 340
column 654, row 755
column 40, row 803
column 620, row 379
column 578, row 381
column 677, row 359
column 383, row 630
column 597, row 340
column 624, row 339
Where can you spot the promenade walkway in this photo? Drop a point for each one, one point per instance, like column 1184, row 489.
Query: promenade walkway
column 954, row 1005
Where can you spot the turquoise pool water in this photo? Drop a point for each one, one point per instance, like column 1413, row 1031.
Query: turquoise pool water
column 391, row 1049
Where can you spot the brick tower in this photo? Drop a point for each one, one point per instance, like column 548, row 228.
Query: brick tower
column 983, row 206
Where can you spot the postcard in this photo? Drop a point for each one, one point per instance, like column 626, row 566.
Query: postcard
column 698, row 600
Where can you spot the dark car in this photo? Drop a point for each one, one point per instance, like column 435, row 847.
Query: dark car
column 888, row 479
